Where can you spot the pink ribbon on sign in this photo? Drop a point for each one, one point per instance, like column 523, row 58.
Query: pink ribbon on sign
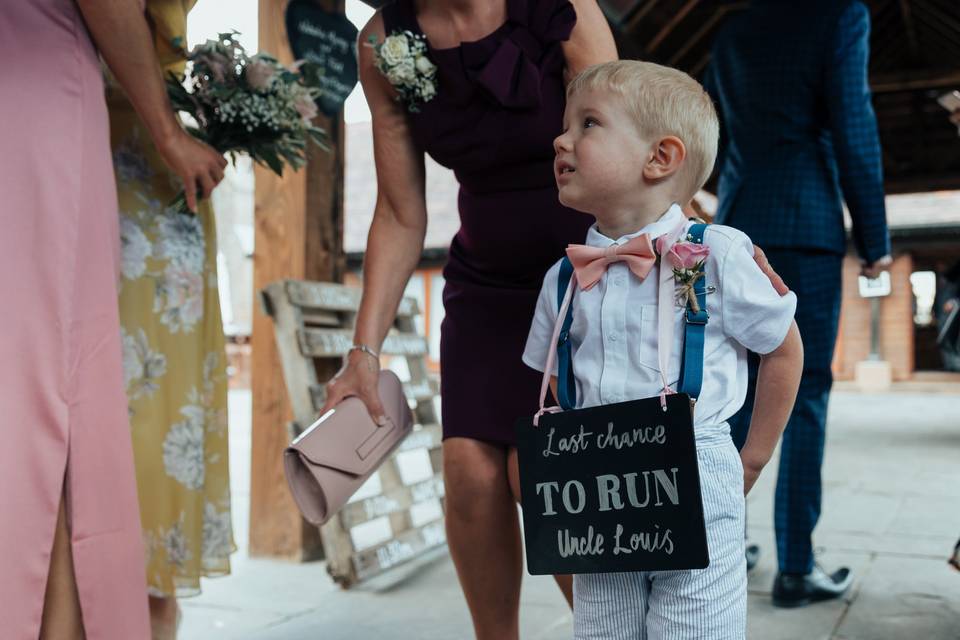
column 665, row 307
column 551, row 354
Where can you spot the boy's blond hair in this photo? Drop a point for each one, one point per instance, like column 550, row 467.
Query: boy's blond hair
column 664, row 102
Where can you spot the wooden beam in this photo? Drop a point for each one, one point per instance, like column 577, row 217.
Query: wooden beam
column 668, row 28
column 922, row 183
column 299, row 223
column 907, row 15
column 707, row 27
column 950, row 25
column 696, row 69
column 911, row 81
column 632, row 20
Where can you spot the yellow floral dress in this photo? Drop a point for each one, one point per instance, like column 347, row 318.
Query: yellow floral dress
column 173, row 348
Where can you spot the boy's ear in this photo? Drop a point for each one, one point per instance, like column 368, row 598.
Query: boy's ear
column 665, row 158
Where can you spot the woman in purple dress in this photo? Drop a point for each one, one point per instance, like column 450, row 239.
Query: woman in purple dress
column 501, row 71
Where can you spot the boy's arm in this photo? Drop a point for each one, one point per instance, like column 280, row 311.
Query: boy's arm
column 777, row 383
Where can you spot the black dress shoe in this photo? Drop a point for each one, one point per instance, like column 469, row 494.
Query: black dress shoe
column 799, row 590
column 753, row 556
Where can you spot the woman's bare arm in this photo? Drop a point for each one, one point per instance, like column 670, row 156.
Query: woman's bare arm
column 591, row 41
column 395, row 241
column 123, row 37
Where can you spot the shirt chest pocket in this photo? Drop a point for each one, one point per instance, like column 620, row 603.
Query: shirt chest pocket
column 645, row 348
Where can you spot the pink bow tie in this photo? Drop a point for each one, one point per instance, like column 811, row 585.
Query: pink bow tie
column 589, row 263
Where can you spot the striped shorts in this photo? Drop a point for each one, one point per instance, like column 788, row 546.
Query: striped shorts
column 703, row 604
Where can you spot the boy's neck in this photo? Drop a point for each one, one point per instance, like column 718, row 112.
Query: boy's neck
column 616, row 222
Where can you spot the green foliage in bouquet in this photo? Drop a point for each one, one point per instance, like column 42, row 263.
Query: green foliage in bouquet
column 249, row 104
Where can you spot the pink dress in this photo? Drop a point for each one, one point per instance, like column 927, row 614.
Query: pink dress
column 63, row 412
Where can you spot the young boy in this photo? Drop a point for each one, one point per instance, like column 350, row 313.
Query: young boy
column 639, row 141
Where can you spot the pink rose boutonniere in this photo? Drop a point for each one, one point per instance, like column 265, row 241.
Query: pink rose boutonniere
column 687, row 259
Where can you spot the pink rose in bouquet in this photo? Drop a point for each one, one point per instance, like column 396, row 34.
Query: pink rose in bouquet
column 305, row 106
column 260, row 73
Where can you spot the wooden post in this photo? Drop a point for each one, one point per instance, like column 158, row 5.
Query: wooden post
column 299, row 234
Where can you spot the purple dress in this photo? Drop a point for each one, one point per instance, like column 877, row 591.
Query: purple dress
column 499, row 106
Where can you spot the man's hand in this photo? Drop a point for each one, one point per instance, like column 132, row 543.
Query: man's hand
column 761, row 259
column 874, row 269
column 955, row 117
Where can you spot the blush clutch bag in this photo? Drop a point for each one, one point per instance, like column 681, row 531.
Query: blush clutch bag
column 328, row 462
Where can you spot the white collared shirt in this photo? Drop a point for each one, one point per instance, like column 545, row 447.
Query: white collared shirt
column 614, row 330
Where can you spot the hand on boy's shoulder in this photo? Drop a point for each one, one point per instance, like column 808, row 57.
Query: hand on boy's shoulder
column 724, row 239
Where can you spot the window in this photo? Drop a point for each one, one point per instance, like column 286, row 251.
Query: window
column 924, row 284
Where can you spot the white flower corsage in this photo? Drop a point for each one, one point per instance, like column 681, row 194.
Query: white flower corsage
column 687, row 259
column 402, row 58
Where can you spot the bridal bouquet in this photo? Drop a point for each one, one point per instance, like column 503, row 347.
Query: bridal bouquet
column 248, row 104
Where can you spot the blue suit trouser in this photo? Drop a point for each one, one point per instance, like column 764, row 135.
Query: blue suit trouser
column 816, row 278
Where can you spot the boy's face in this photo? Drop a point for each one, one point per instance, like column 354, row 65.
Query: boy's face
column 600, row 155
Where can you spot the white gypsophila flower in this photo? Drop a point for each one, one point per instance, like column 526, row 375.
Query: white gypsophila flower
column 216, row 532
column 425, row 67
column 183, row 449
column 135, row 248
column 395, row 49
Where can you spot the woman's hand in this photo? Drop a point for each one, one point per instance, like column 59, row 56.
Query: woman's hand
column 761, row 259
column 199, row 166
column 122, row 34
column 359, row 377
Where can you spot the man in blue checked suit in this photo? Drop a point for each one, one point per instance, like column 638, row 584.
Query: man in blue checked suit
column 798, row 136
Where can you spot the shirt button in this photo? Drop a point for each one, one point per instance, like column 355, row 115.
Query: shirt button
column 618, row 282
column 613, row 337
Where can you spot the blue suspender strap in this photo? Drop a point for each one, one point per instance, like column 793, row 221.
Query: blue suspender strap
column 566, row 384
column 691, row 367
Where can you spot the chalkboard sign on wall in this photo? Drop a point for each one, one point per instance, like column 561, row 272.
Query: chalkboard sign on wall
column 328, row 40
column 612, row 488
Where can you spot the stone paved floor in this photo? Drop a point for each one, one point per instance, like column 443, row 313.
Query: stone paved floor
column 891, row 512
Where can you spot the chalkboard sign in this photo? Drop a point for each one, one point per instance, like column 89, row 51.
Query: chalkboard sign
column 612, row 488
column 328, row 40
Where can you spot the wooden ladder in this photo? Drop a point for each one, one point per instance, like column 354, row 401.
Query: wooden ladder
column 389, row 523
